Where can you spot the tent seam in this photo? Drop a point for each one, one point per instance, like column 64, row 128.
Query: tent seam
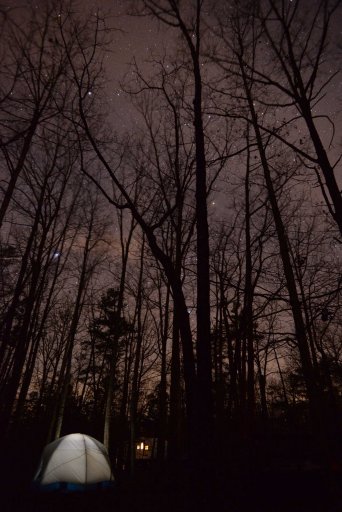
column 86, row 460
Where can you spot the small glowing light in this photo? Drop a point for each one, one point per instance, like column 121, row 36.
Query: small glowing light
column 138, row 447
column 146, row 447
column 141, row 446
column 89, row 93
column 56, row 255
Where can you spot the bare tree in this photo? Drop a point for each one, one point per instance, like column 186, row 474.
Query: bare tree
column 34, row 89
column 89, row 261
column 243, row 50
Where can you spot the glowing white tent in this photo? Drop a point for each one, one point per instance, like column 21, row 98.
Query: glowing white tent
column 74, row 462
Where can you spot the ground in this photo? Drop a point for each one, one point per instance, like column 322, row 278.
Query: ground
column 225, row 490
column 277, row 474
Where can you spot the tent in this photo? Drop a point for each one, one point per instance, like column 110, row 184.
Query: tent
column 75, row 462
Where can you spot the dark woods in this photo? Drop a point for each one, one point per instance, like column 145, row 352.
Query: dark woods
column 173, row 288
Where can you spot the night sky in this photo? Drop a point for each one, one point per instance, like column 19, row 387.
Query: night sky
column 136, row 38
column 141, row 38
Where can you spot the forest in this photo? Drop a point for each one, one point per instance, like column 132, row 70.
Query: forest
column 173, row 282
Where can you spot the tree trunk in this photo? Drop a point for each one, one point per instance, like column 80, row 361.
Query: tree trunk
column 314, row 393
column 162, row 427
column 175, row 422
column 248, row 304
column 113, row 361
column 136, row 369
column 65, row 373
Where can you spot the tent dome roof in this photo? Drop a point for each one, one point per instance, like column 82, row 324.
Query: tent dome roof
column 74, row 462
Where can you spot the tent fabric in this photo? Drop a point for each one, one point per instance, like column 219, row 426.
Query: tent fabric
column 74, row 462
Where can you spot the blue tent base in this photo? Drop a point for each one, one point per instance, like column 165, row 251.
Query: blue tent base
column 68, row 487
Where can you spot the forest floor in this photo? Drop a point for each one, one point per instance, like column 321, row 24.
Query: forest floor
column 277, row 475
column 225, row 490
